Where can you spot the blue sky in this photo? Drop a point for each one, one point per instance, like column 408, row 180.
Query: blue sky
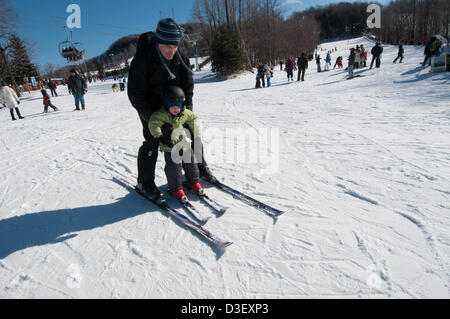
column 41, row 23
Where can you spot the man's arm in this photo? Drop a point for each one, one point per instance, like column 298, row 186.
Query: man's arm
column 138, row 87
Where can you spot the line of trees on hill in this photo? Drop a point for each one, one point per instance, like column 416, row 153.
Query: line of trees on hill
column 414, row 21
column 264, row 35
column 239, row 34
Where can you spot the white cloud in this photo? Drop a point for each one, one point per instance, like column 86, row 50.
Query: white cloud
column 290, row 2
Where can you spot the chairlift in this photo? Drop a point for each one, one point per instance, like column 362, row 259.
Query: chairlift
column 70, row 50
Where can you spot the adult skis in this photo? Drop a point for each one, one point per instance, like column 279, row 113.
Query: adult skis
column 269, row 210
column 211, row 238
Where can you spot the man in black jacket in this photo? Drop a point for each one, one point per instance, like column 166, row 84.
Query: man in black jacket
column 77, row 86
column 157, row 65
column 302, row 63
column 376, row 55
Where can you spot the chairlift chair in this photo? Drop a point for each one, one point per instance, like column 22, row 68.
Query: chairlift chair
column 70, row 50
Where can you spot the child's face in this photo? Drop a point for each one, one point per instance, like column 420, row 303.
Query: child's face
column 174, row 110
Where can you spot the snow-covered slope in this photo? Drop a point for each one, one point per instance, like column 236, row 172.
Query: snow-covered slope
column 361, row 168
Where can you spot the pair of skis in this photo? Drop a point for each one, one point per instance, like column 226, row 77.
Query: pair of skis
column 199, row 229
column 198, row 222
column 269, row 210
column 217, row 208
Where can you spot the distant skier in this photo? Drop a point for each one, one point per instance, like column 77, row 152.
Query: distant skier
column 162, row 124
column 289, row 67
column 357, row 57
column 327, row 62
column 400, row 53
column 338, row 62
column 351, row 63
column 47, row 102
column 430, row 49
column 318, row 58
column 52, row 86
column 376, row 51
column 268, row 73
column 302, row 63
column 10, row 100
column 363, row 56
column 260, row 76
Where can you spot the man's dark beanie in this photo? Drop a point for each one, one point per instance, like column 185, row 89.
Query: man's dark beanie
column 168, row 32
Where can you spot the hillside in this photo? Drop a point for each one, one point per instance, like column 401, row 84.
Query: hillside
column 361, row 168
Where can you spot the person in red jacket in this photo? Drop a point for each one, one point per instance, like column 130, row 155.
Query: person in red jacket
column 289, row 67
column 47, row 101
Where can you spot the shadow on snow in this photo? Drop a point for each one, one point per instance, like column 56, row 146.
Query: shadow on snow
column 51, row 227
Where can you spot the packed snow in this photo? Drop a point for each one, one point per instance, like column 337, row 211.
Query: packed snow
column 361, row 167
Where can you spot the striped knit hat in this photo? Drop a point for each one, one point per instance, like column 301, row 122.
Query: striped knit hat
column 168, row 32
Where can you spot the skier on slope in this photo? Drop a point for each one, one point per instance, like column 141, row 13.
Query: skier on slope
column 9, row 98
column 174, row 116
column 47, row 101
column 302, row 63
column 156, row 65
column 400, row 53
column 289, row 67
column 351, row 63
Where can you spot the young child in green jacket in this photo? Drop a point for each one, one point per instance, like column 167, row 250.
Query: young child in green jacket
column 168, row 125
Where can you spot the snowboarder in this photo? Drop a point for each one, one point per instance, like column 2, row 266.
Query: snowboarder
column 158, row 51
column 77, row 86
column 302, row 63
column 400, row 53
column 10, row 100
column 47, row 101
column 174, row 116
column 376, row 51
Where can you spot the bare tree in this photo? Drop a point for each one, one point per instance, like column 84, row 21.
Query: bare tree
column 8, row 18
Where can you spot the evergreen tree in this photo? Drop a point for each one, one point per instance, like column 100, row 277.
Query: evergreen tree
column 226, row 55
column 3, row 71
column 21, row 65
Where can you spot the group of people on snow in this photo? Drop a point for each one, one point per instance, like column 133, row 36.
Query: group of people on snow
column 76, row 85
column 263, row 72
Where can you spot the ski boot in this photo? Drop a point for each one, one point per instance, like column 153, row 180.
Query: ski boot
column 198, row 189
column 206, row 174
column 150, row 191
column 180, row 195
